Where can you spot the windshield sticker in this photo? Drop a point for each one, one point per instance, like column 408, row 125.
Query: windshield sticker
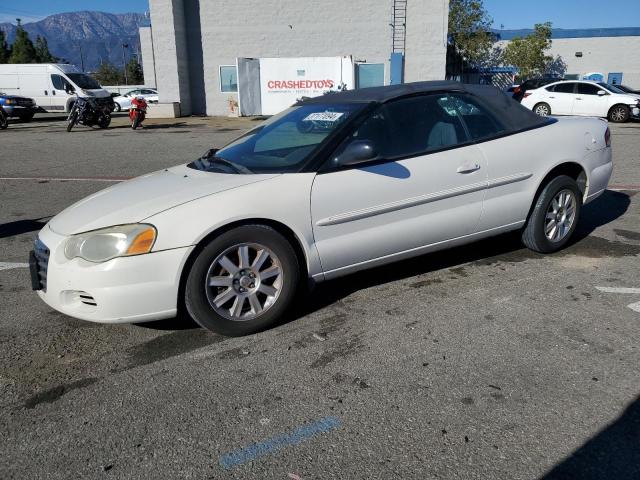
column 323, row 117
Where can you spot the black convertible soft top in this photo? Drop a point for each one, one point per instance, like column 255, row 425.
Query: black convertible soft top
column 514, row 116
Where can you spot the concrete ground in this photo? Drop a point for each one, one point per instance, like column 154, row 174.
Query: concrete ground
column 486, row 361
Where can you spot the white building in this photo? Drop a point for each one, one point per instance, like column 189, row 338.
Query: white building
column 192, row 47
column 609, row 54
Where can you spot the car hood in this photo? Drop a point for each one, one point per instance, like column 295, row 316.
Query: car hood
column 134, row 200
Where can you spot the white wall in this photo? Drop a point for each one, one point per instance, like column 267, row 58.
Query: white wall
column 148, row 60
column 293, row 28
column 600, row 54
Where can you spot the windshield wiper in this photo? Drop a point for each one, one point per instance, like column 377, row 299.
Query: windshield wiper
column 210, row 157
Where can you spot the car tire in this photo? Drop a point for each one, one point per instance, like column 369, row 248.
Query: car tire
column 213, row 294
column 117, row 107
column 619, row 114
column 552, row 210
column 542, row 109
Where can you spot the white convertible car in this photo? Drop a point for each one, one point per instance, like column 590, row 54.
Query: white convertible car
column 335, row 184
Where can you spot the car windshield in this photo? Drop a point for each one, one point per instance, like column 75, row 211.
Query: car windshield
column 83, row 80
column 283, row 143
column 611, row 88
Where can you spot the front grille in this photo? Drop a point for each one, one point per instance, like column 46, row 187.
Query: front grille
column 25, row 102
column 41, row 253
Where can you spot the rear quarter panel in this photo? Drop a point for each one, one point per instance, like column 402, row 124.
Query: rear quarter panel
column 527, row 158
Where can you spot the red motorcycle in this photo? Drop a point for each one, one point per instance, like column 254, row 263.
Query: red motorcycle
column 137, row 111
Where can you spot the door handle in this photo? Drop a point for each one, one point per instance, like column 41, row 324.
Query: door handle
column 468, row 168
column 552, row 97
column 578, row 98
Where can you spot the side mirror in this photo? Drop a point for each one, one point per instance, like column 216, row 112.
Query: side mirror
column 360, row 151
column 601, row 93
column 210, row 153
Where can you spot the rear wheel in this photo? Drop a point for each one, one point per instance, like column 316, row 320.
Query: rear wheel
column 554, row 217
column 619, row 113
column 243, row 281
column 117, row 107
column 104, row 121
column 542, row 109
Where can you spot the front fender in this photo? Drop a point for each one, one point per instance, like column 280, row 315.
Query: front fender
column 283, row 199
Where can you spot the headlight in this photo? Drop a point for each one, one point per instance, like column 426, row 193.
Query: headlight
column 102, row 245
column 8, row 101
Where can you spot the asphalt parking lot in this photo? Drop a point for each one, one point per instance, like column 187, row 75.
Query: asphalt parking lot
column 486, row 361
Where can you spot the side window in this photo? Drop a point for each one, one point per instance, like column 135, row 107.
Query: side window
column 480, row 122
column 588, row 89
column 58, row 82
column 564, row 88
column 412, row 126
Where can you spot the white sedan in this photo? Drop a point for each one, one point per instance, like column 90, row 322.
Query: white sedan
column 583, row 98
column 333, row 185
column 123, row 102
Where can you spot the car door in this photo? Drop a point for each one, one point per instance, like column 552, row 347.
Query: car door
column 34, row 84
column 588, row 102
column 561, row 98
column 427, row 188
column 59, row 88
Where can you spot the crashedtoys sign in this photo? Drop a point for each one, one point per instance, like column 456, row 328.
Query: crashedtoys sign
column 269, row 85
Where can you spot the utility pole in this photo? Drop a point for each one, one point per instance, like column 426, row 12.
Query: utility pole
column 124, row 62
column 81, row 57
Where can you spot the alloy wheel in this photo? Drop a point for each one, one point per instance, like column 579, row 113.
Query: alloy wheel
column 244, row 281
column 560, row 216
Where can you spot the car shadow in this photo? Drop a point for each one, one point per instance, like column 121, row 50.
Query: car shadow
column 19, row 227
column 506, row 247
column 611, row 453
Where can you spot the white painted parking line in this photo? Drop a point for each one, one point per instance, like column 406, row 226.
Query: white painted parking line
column 69, row 179
column 9, row 265
column 618, row 290
column 633, row 291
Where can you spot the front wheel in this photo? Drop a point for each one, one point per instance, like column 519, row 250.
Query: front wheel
column 72, row 120
column 117, row 107
column 4, row 122
column 136, row 120
column 619, row 114
column 243, row 281
column 554, row 216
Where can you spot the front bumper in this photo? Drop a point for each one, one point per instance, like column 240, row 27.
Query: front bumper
column 18, row 110
column 123, row 290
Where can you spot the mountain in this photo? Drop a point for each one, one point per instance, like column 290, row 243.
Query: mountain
column 100, row 35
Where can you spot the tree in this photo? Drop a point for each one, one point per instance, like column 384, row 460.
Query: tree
column 108, row 74
column 470, row 36
column 43, row 55
column 22, row 50
column 528, row 55
column 4, row 48
column 134, row 72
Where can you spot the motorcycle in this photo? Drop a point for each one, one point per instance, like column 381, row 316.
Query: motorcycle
column 90, row 111
column 137, row 112
column 4, row 119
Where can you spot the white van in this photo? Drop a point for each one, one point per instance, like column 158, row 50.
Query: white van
column 52, row 86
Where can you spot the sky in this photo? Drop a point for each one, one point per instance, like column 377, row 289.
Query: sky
column 510, row 13
column 564, row 13
column 33, row 10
